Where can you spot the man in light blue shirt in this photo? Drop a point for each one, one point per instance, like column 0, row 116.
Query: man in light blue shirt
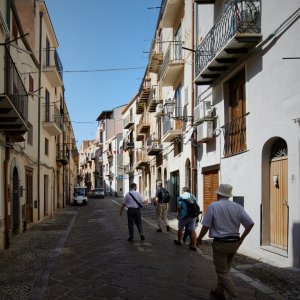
column 223, row 219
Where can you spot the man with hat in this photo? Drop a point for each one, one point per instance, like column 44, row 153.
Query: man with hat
column 223, row 219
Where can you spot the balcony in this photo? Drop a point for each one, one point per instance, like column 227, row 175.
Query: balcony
column 51, row 119
column 170, row 9
column 144, row 91
column 154, row 98
column 129, row 169
column 14, row 106
column 87, row 178
column 154, row 146
column 235, row 136
column 171, row 129
column 155, row 57
column 128, row 121
column 172, row 65
column 139, row 108
column 52, row 67
column 229, row 40
column 142, row 159
column 109, row 175
column 109, row 155
column 144, row 124
column 128, row 144
column 62, row 154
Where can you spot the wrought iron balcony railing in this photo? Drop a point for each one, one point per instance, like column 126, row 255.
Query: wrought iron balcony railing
column 235, row 136
column 52, row 59
column 62, row 154
column 173, row 55
column 240, row 16
column 17, row 92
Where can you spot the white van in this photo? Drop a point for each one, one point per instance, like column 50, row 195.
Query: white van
column 80, row 195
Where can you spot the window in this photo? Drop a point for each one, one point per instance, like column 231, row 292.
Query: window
column 15, row 30
column 31, row 84
column 178, row 103
column 47, row 106
column 46, row 146
column 30, row 134
column 47, row 52
column 235, row 129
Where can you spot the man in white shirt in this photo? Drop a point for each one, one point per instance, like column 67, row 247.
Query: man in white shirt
column 223, row 219
column 133, row 201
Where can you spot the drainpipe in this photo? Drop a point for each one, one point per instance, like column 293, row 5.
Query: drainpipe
column 6, row 194
column 7, row 148
column 193, row 148
column 39, row 116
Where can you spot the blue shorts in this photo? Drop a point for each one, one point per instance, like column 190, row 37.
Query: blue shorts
column 189, row 222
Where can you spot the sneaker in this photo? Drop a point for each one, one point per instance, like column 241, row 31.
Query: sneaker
column 142, row 238
column 168, row 228
column 193, row 248
column 176, row 242
column 159, row 230
column 217, row 296
column 130, row 239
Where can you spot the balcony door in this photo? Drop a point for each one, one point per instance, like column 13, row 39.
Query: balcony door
column 237, row 110
column 47, row 57
column 177, row 47
column 29, row 197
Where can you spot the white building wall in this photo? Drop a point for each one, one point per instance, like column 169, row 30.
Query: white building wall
column 272, row 99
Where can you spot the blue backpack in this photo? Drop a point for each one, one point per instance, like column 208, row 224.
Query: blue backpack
column 193, row 209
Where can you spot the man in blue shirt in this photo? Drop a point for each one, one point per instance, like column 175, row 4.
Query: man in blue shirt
column 223, row 219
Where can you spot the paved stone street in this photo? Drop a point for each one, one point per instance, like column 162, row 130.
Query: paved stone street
column 83, row 253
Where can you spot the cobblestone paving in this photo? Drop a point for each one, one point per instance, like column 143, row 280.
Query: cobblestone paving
column 285, row 282
column 23, row 266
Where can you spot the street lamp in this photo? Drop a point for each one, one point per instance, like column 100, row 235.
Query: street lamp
column 168, row 109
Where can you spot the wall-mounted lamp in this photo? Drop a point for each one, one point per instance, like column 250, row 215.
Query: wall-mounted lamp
column 168, row 110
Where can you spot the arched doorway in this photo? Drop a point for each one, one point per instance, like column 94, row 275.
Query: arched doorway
column 279, row 194
column 275, row 208
column 15, row 203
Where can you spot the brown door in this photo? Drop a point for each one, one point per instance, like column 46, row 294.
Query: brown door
column 210, row 186
column 237, row 109
column 279, row 202
column 29, row 197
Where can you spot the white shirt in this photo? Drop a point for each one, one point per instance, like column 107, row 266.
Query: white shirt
column 224, row 217
column 128, row 200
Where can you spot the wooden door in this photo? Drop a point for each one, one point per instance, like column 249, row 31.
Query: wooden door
column 16, row 203
column 29, row 197
column 279, row 202
column 210, row 186
column 237, row 109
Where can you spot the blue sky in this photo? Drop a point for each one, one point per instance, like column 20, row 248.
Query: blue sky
column 101, row 35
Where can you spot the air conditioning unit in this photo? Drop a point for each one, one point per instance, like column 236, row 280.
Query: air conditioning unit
column 205, row 131
column 159, row 111
column 203, row 111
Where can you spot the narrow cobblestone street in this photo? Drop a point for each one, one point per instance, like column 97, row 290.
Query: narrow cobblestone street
column 83, row 253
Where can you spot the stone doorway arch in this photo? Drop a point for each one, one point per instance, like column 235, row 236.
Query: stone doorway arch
column 274, row 206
